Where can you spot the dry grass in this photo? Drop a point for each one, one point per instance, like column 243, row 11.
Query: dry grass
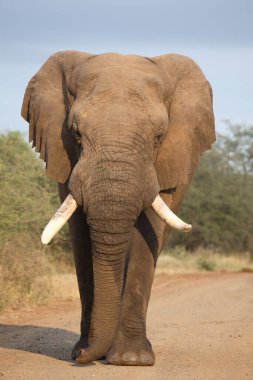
column 178, row 260
column 24, row 274
column 34, row 276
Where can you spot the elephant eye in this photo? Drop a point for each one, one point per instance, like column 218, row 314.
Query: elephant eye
column 158, row 139
column 75, row 132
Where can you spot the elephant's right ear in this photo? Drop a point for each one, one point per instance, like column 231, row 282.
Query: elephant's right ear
column 46, row 107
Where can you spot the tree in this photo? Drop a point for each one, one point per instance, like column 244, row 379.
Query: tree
column 28, row 197
column 28, row 201
column 219, row 201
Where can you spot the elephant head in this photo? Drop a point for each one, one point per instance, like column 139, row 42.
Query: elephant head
column 119, row 129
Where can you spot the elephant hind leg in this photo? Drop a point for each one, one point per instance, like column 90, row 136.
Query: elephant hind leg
column 131, row 346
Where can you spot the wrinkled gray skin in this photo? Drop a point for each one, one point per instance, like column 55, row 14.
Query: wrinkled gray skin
column 115, row 131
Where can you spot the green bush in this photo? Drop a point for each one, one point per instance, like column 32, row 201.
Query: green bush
column 220, row 198
column 205, row 264
column 28, row 201
column 27, row 195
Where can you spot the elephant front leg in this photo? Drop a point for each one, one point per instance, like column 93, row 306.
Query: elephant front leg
column 81, row 246
column 83, row 262
column 131, row 346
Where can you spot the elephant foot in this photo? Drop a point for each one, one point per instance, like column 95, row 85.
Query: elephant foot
column 80, row 344
column 131, row 352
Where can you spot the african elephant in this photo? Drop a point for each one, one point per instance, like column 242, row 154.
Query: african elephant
column 115, row 131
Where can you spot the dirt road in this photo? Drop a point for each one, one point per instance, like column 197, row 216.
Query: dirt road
column 201, row 327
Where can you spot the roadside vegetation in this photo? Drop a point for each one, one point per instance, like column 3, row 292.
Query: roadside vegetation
column 220, row 198
column 218, row 204
column 179, row 260
column 28, row 200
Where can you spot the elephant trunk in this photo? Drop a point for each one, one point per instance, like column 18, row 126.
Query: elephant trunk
column 112, row 208
column 108, row 269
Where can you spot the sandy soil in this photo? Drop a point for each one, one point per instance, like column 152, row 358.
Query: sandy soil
column 201, row 327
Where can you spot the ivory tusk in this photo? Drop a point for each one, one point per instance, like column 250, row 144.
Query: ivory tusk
column 69, row 206
column 168, row 216
column 61, row 216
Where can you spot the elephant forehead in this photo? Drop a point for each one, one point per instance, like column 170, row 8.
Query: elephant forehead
column 113, row 71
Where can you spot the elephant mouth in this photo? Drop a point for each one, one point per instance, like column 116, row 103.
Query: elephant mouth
column 69, row 206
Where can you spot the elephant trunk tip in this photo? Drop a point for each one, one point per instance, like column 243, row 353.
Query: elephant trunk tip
column 88, row 355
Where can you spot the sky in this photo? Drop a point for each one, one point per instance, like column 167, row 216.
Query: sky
column 217, row 34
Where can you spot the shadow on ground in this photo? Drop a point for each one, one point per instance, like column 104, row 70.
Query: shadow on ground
column 52, row 342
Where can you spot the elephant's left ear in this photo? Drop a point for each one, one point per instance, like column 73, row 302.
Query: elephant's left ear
column 191, row 120
column 46, row 107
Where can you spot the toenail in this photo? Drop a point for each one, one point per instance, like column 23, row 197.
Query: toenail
column 130, row 357
column 147, row 358
column 115, row 358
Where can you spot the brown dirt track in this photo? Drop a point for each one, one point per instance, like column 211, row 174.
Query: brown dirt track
column 201, row 327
